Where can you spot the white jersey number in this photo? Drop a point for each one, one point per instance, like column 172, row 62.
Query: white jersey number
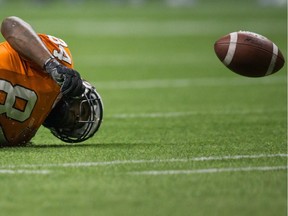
column 10, row 94
column 61, row 54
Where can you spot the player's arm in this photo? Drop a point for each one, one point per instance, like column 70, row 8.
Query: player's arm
column 25, row 41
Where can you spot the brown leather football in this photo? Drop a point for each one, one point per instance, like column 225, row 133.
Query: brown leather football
column 249, row 54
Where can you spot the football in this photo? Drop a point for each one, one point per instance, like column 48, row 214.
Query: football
column 249, row 54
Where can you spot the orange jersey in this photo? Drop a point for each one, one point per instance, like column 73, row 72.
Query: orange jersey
column 27, row 94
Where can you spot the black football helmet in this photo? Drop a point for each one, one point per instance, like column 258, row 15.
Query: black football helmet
column 76, row 119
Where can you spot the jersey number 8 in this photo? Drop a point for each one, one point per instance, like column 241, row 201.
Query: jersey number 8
column 16, row 101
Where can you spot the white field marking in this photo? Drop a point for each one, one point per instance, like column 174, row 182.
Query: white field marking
column 143, row 28
column 128, row 59
column 189, row 113
column 120, row 162
column 128, row 28
column 231, row 49
column 210, row 170
column 9, row 171
column 180, row 83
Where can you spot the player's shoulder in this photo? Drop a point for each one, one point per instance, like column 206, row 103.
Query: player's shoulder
column 59, row 48
column 49, row 39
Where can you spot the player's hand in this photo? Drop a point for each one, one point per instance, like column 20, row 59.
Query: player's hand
column 69, row 79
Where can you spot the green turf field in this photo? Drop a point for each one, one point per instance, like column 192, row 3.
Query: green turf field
column 182, row 135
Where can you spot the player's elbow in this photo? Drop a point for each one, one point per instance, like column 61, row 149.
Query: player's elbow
column 9, row 26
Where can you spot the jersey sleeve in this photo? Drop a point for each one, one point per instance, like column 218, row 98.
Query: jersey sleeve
column 59, row 49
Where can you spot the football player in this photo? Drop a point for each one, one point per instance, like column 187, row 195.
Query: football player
column 38, row 85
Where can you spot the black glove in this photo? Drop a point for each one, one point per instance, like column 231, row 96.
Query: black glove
column 69, row 79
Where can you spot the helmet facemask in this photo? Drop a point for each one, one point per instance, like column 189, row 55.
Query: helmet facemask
column 75, row 120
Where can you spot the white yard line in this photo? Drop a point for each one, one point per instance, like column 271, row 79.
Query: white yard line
column 119, row 162
column 189, row 113
column 20, row 171
column 210, row 170
column 129, row 27
column 178, row 83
